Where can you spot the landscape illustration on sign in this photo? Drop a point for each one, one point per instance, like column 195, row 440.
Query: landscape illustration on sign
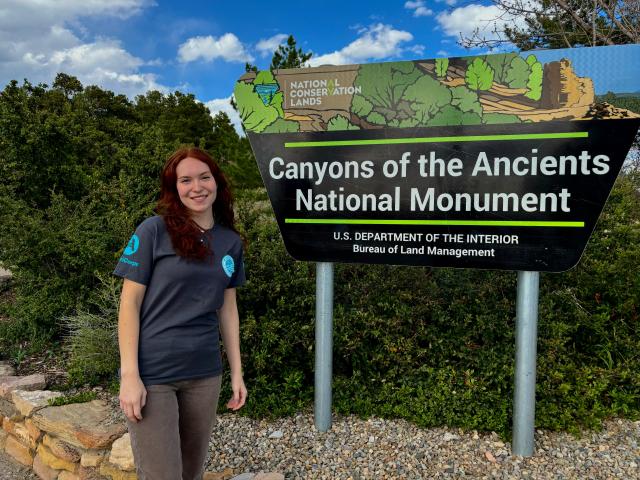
column 491, row 89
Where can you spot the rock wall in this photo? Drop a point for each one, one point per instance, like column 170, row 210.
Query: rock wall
column 81, row 441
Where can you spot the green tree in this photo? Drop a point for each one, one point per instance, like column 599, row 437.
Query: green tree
column 518, row 73
column 442, row 64
column 563, row 24
column 289, row 56
column 479, row 75
column 383, row 86
column 534, row 84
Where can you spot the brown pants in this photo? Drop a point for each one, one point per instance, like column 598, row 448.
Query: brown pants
column 172, row 439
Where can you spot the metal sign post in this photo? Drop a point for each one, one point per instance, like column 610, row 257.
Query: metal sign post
column 524, row 399
column 324, row 345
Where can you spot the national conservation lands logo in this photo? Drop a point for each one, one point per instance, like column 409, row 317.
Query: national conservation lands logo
column 461, row 151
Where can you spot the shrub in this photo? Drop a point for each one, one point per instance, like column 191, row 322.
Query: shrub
column 92, row 338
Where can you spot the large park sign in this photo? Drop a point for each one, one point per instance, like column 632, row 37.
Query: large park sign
column 498, row 161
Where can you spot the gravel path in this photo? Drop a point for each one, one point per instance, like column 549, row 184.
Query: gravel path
column 376, row 449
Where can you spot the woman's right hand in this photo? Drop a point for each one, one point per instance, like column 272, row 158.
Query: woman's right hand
column 133, row 397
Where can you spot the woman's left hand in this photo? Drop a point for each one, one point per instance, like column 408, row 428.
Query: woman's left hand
column 239, row 396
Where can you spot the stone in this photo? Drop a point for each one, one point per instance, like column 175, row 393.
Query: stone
column 226, row 474
column 115, row 473
column 64, row 475
column 44, row 471
column 88, row 425
column 17, row 450
column 244, row 476
column 61, row 449
column 28, row 401
column 122, row 454
column 489, row 456
column 9, row 410
column 9, row 383
column 89, row 473
column 20, row 431
column 3, row 439
column 8, row 425
column 449, row 437
column 54, row 462
column 6, row 370
column 93, row 458
column 277, row 434
column 269, row 476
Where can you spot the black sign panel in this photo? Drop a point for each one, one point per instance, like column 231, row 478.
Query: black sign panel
column 514, row 197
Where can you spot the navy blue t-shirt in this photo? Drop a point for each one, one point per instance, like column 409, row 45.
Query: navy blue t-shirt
column 179, row 330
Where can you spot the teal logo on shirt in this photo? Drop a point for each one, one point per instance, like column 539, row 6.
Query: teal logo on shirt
column 132, row 246
column 228, row 265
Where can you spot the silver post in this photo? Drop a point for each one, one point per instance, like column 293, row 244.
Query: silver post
column 324, row 345
column 524, row 398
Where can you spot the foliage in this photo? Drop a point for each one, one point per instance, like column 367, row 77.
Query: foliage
column 479, row 75
column 282, row 126
column 466, row 100
column 442, row 65
column 92, row 338
column 560, row 24
column 534, row 84
column 383, row 87
column 288, row 56
column 80, row 169
column 69, row 399
column 341, row 123
column 500, row 65
column 518, row 73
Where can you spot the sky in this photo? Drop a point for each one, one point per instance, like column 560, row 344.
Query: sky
column 201, row 46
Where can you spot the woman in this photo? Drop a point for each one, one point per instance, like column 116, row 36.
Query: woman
column 180, row 272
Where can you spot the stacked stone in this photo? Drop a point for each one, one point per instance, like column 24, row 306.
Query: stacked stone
column 83, row 441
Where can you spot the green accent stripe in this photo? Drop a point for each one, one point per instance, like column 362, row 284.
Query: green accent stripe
column 480, row 223
column 468, row 138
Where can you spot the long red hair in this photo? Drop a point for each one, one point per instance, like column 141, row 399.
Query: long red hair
column 185, row 235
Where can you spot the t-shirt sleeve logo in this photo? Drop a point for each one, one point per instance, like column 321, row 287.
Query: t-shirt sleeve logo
column 228, row 265
column 132, row 246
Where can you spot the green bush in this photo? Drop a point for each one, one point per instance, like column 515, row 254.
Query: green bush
column 80, row 170
column 92, row 338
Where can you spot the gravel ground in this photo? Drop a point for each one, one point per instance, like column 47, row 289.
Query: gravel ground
column 384, row 449
column 394, row 449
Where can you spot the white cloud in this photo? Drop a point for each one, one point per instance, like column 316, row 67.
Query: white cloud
column 224, row 105
column 417, row 49
column 485, row 21
column 267, row 46
column 419, row 9
column 227, row 47
column 442, row 53
column 377, row 42
column 104, row 63
column 38, row 42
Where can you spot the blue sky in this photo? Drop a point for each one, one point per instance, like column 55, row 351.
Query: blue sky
column 130, row 46
column 200, row 47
